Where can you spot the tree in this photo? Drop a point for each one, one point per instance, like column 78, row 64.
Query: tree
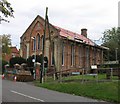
column 16, row 60
column 6, row 10
column 6, row 43
column 111, row 40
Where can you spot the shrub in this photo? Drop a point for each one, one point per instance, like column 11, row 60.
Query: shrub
column 30, row 63
column 16, row 60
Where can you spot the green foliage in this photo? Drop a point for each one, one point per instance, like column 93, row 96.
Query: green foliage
column 30, row 63
column 6, row 10
column 3, row 65
column 6, row 43
column 111, row 40
column 16, row 60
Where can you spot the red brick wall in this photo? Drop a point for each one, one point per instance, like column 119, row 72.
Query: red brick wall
column 79, row 59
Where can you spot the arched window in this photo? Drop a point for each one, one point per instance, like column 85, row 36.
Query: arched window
column 42, row 42
column 63, row 53
column 72, row 55
column 52, row 54
column 34, row 44
column 38, row 44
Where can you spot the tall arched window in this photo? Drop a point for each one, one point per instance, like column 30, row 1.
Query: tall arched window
column 34, row 44
column 63, row 53
column 42, row 42
column 72, row 55
column 38, row 44
column 52, row 54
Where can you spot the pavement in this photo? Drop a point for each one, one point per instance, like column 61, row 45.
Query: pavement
column 27, row 92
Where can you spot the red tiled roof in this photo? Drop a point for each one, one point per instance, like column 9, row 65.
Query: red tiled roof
column 73, row 36
column 14, row 50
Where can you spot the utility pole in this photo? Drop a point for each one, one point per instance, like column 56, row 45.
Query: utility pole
column 42, row 70
column 34, row 60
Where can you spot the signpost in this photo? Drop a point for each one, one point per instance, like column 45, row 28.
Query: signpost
column 111, row 62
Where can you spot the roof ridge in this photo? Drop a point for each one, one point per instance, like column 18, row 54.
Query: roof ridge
column 73, row 35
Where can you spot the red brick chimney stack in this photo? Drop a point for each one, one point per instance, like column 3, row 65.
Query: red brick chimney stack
column 84, row 32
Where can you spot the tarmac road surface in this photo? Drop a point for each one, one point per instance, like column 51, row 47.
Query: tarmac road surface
column 24, row 92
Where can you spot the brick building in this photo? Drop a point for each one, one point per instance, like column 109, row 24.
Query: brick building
column 68, row 50
column 14, row 53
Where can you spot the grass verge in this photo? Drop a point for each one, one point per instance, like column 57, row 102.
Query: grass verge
column 107, row 91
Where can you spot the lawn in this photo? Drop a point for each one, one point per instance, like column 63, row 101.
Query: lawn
column 102, row 90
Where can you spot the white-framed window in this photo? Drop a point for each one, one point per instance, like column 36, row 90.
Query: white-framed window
column 42, row 42
column 63, row 49
column 94, row 55
column 13, row 55
column 72, row 55
column 38, row 45
column 87, row 56
column 34, row 44
column 52, row 54
column 80, row 54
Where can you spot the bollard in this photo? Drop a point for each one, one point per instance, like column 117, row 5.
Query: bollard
column 3, row 76
column 15, row 78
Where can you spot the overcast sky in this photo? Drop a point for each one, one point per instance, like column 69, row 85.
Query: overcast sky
column 95, row 15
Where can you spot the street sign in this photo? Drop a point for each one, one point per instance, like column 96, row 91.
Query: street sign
column 111, row 62
column 76, row 73
column 93, row 66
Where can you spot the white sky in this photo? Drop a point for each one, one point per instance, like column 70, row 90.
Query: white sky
column 95, row 15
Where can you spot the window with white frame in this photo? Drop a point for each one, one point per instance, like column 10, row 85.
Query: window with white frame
column 52, row 54
column 38, row 37
column 79, row 55
column 63, row 53
column 34, row 44
column 72, row 55
column 42, row 42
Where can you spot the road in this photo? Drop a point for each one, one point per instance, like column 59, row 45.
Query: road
column 24, row 92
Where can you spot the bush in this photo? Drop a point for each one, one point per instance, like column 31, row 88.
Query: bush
column 30, row 63
column 16, row 60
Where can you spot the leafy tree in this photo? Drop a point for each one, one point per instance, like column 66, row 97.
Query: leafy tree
column 111, row 40
column 6, row 43
column 16, row 60
column 6, row 10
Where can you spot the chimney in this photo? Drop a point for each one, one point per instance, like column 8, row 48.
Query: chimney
column 84, row 32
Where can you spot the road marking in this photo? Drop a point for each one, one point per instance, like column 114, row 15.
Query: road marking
column 27, row 96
